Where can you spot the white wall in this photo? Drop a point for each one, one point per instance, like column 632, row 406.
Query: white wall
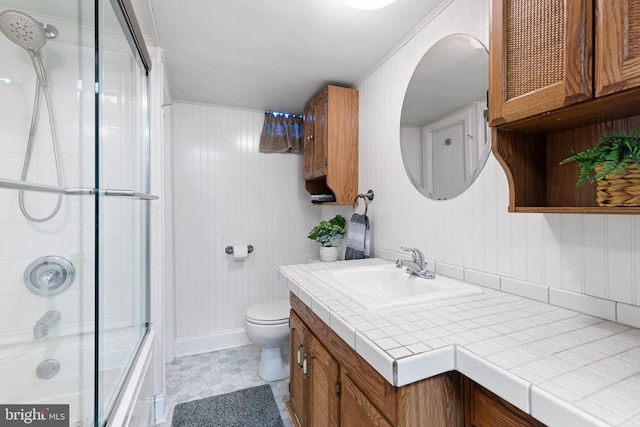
column 588, row 254
column 224, row 192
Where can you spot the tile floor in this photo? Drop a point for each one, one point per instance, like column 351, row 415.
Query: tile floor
column 209, row 374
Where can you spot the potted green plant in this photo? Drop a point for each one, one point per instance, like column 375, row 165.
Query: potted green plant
column 325, row 233
column 614, row 164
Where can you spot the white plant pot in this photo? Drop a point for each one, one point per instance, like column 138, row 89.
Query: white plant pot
column 328, row 253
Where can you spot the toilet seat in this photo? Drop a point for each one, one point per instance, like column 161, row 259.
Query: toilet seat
column 275, row 312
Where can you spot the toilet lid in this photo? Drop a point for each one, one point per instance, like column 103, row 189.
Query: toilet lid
column 269, row 312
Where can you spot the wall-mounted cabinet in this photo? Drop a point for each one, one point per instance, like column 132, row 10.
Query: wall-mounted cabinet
column 562, row 72
column 331, row 144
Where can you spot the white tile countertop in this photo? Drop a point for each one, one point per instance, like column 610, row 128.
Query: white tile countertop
column 562, row 367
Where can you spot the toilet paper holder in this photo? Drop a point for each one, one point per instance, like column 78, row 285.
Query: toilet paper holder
column 229, row 249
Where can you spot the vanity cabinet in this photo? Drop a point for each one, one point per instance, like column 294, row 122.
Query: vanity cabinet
column 331, row 385
column 314, row 379
column 334, row 386
column 355, row 407
column 485, row 409
column 562, row 72
column 330, row 164
column 297, row 335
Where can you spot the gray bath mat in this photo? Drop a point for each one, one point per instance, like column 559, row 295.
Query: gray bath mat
column 251, row 407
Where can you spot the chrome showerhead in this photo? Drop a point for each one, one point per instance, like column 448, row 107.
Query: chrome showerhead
column 23, row 30
column 29, row 34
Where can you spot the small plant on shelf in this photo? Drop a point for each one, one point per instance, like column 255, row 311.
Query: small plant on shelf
column 612, row 156
column 327, row 231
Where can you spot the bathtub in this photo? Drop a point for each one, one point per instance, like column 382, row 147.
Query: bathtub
column 73, row 384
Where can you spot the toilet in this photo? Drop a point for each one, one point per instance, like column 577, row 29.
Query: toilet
column 267, row 326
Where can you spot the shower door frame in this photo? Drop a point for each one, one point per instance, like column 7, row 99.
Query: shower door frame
column 120, row 411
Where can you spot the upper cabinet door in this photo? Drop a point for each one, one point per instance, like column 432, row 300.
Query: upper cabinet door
column 309, row 121
column 617, row 46
column 320, row 135
column 315, row 135
column 540, row 57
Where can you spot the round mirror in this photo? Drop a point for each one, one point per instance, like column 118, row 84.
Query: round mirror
column 444, row 134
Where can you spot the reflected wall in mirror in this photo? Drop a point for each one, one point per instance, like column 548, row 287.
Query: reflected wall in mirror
column 444, row 134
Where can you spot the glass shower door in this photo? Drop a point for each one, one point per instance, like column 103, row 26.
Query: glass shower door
column 46, row 208
column 74, row 150
column 122, row 281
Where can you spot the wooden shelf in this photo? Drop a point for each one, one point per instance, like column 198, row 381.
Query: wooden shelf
column 577, row 210
column 537, row 183
column 551, row 96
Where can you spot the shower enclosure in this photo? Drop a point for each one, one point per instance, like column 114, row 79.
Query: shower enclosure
column 74, row 183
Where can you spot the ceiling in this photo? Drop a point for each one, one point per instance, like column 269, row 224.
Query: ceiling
column 274, row 55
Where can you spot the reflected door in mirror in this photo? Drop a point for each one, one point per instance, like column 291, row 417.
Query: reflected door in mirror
column 443, row 128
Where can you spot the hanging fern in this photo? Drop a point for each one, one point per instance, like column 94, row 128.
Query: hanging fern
column 614, row 154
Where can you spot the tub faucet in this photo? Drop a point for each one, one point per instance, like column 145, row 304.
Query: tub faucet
column 417, row 266
column 41, row 329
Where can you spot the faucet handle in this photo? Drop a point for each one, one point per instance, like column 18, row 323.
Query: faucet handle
column 418, row 256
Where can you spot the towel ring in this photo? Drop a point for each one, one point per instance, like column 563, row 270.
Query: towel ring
column 366, row 197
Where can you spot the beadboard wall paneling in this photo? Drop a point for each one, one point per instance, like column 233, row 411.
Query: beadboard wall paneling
column 590, row 254
column 225, row 191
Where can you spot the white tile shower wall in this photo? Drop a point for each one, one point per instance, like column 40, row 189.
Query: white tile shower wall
column 70, row 74
column 70, row 233
column 594, row 255
column 226, row 191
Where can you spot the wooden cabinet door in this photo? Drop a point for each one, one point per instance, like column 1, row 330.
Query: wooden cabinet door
column 296, row 380
column 319, row 135
column 315, row 152
column 307, row 171
column 540, row 57
column 323, row 371
column 617, row 58
column 485, row 409
column 356, row 410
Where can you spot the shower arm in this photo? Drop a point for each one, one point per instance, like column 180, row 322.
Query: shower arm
column 42, row 188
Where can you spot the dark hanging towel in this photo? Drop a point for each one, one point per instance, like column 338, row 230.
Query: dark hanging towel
column 358, row 237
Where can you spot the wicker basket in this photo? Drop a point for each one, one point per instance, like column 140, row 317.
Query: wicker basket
column 620, row 190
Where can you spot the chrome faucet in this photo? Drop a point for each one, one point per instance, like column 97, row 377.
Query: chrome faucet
column 41, row 329
column 417, row 266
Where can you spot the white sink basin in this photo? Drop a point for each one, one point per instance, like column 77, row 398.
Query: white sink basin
column 380, row 287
